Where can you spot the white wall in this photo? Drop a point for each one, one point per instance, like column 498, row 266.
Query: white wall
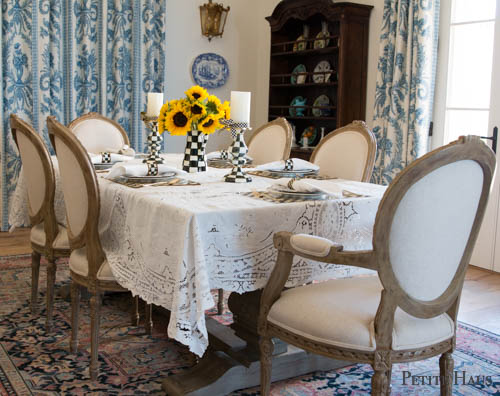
column 246, row 47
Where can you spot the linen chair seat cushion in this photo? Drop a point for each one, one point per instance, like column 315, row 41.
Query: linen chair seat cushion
column 79, row 264
column 341, row 313
column 310, row 244
column 61, row 241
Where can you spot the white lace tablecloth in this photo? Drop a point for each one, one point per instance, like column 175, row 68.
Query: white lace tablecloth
column 172, row 245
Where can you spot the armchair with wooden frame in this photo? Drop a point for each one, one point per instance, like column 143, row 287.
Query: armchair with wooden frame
column 88, row 264
column 424, row 233
column 48, row 238
column 347, row 153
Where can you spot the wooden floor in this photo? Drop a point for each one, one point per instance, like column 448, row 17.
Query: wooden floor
column 480, row 305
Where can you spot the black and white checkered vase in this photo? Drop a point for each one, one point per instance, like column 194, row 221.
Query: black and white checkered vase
column 238, row 151
column 195, row 158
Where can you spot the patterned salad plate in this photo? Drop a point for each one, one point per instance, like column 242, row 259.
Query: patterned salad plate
column 164, row 176
column 103, row 166
column 210, row 70
column 299, row 196
column 293, row 173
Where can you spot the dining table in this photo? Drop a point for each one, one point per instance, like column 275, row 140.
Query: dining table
column 172, row 244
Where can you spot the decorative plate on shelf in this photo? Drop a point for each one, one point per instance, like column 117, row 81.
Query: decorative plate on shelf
column 310, row 133
column 297, row 111
column 210, row 70
column 322, row 40
column 322, row 67
column 321, row 100
column 300, row 44
column 299, row 75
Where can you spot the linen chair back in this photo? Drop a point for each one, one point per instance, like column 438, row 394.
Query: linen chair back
column 427, row 225
column 81, row 193
column 98, row 133
column 271, row 142
column 347, row 153
column 39, row 175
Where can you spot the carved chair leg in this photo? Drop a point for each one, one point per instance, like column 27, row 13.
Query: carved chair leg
column 95, row 312
column 389, row 378
column 381, row 382
column 220, row 302
column 135, row 318
column 266, row 355
column 51, row 279
column 35, row 275
column 75, row 309
column 446, row 365
column 149, row 319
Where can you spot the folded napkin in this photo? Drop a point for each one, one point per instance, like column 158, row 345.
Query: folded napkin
column 306, row 186
column 298, row 164
column 125, row 150
column 137, row 169
column 97, row 158
column 217, row 154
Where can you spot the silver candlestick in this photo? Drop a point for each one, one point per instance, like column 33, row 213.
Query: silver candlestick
column 154, row 144
column 238, row 151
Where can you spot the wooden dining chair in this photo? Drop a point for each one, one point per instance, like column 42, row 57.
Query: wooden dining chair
column 98, row 133
column 271, row 142
column 87, row 263
column 48, row 238
column 425, row 229
column 347, row 153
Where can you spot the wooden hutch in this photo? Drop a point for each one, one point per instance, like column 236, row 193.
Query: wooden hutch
column 342, row 45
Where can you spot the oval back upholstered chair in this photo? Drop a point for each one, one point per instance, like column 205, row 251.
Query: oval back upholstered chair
column 347, row 153
column 425, row 229
column 98, row 133
column 47, row 237
column 87, row 263
column 271, row 142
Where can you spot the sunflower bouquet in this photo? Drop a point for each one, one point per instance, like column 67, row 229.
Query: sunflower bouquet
column 198, row 111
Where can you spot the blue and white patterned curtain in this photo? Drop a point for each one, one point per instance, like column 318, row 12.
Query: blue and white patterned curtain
column 405, row 84
column 68, row 57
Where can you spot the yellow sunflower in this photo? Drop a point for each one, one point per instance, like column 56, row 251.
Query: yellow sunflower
column 197, row 110
column 197, row 93
column 209, row 125
column 225, row 109
column 213, row 104
column 162, row 117
column 177, row 121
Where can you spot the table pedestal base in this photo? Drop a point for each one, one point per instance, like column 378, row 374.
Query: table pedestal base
column 232, row 361
column 219, row 374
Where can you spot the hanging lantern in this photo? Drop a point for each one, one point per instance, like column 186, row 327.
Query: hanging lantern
column 213, row 19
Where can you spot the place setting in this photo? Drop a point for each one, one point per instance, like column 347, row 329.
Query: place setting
column 293, row 168
column 222, row 160
column 134, row 174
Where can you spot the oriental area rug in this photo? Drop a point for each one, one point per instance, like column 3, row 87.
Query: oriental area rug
column 33, row 362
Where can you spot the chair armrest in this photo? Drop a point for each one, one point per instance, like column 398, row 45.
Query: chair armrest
column 324, row 250
column 307, row 246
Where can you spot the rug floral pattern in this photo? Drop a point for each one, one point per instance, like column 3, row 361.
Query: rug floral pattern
column 33, row 362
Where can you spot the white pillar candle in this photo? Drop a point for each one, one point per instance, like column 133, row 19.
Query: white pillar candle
column 240, row 106
column 154, row 104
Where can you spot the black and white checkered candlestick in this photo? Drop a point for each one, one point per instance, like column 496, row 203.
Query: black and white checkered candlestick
column 154, row 140
column 238, row 151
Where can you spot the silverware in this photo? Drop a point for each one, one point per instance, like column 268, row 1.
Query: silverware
column 350, row 194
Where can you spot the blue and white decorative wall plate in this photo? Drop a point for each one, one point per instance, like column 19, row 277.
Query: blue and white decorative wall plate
column 210, row 70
